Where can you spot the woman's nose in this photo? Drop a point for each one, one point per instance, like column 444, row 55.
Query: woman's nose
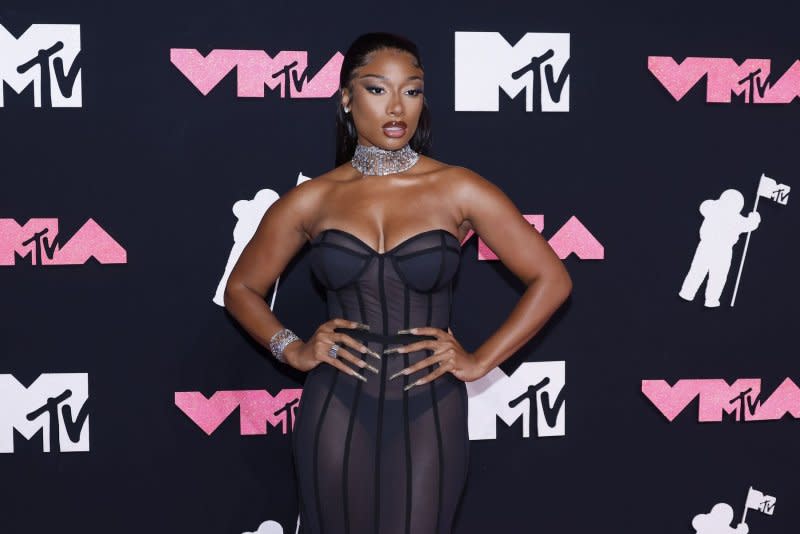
column 395, row 105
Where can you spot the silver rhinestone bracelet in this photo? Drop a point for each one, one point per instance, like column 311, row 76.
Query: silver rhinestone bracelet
column 278, row 342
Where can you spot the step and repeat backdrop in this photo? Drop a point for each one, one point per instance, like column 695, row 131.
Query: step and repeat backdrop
column 653, row 146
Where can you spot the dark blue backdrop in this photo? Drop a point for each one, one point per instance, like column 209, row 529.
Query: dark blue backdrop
column 159, row 165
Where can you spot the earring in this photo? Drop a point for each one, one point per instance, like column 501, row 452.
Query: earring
column 346, row 109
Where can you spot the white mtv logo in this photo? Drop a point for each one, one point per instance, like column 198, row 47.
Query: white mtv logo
column 45, row 55
column 54, row 404
column 538, row 64
column 533, row 392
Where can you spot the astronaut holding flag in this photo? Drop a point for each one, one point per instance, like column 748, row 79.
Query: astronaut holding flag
column 768, row 188
column 718, row 520
column 722, row 225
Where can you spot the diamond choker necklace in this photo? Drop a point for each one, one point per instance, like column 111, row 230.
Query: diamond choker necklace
column 373, row 160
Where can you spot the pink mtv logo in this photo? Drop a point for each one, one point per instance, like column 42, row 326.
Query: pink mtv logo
column 255, row 69
column 37, row 238
column 256, row 409
column 717, row 397
column 725, row 77
column 573, row 236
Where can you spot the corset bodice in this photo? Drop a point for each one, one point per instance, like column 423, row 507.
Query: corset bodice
column 408, row 285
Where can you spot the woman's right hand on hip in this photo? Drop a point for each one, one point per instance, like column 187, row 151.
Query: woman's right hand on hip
column 306, row 356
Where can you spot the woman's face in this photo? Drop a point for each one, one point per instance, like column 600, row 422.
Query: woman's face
column 386, row 99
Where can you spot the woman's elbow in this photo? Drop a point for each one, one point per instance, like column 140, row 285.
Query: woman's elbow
column 567, row 286
column 562, row 284
column 558, row 282
column 232, row 291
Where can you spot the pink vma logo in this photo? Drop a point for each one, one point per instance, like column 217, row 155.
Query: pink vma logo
column 572, row 237
column 752, row 79
column 255, row 69
column 740, row 400
column 39, row 240
column 257, row 409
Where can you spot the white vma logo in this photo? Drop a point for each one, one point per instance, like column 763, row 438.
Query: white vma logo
column 534, row 392
column 722, row 225
column 47, row 56
column 538, row 64
column 718, row 520
column 54, row 403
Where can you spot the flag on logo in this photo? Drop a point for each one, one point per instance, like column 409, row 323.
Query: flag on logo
column 758, row 501
column 771, row 189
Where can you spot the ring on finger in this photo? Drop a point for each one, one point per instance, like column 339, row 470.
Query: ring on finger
column 333, row 351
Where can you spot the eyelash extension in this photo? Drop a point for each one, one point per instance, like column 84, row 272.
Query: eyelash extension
column 417, row 91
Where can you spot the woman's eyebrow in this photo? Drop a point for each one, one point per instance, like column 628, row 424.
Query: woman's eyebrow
column 385, row 78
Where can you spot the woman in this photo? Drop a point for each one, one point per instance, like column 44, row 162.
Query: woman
column 380, row 440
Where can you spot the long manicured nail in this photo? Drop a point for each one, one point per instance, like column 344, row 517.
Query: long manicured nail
column 362, row 326
column 405, row 331
column 411, row 385
column 357, row 375
column 364, row 365
column 373, row 353
column 392, row 350
column 398, row 373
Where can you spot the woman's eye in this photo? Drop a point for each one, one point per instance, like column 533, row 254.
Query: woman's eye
column 377, row 90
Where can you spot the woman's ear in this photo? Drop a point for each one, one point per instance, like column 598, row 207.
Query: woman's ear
column 345, row 99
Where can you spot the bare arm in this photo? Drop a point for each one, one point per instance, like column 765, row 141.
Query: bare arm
column 279, row 236
column 523, row 250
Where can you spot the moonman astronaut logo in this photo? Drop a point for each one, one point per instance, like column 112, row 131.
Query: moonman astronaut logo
column 718, row 520
column 46, row 56
column 722, row 225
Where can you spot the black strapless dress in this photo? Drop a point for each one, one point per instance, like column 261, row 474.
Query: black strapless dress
column 370, row 457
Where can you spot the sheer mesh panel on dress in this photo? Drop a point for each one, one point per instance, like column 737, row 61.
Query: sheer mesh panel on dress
column 372, row 458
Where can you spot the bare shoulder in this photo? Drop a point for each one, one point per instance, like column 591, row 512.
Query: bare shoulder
column 466, row 186
column 478, row 199
column 462, row 188
column 301, row 203
column 452, row 176
column 466, row 180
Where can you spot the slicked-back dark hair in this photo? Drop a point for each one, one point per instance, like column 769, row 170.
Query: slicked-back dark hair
column 357, row 56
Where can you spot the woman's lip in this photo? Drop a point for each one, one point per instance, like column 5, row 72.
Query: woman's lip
column 394, row 131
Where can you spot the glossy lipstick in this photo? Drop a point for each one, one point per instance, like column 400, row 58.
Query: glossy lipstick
column 395, row 129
